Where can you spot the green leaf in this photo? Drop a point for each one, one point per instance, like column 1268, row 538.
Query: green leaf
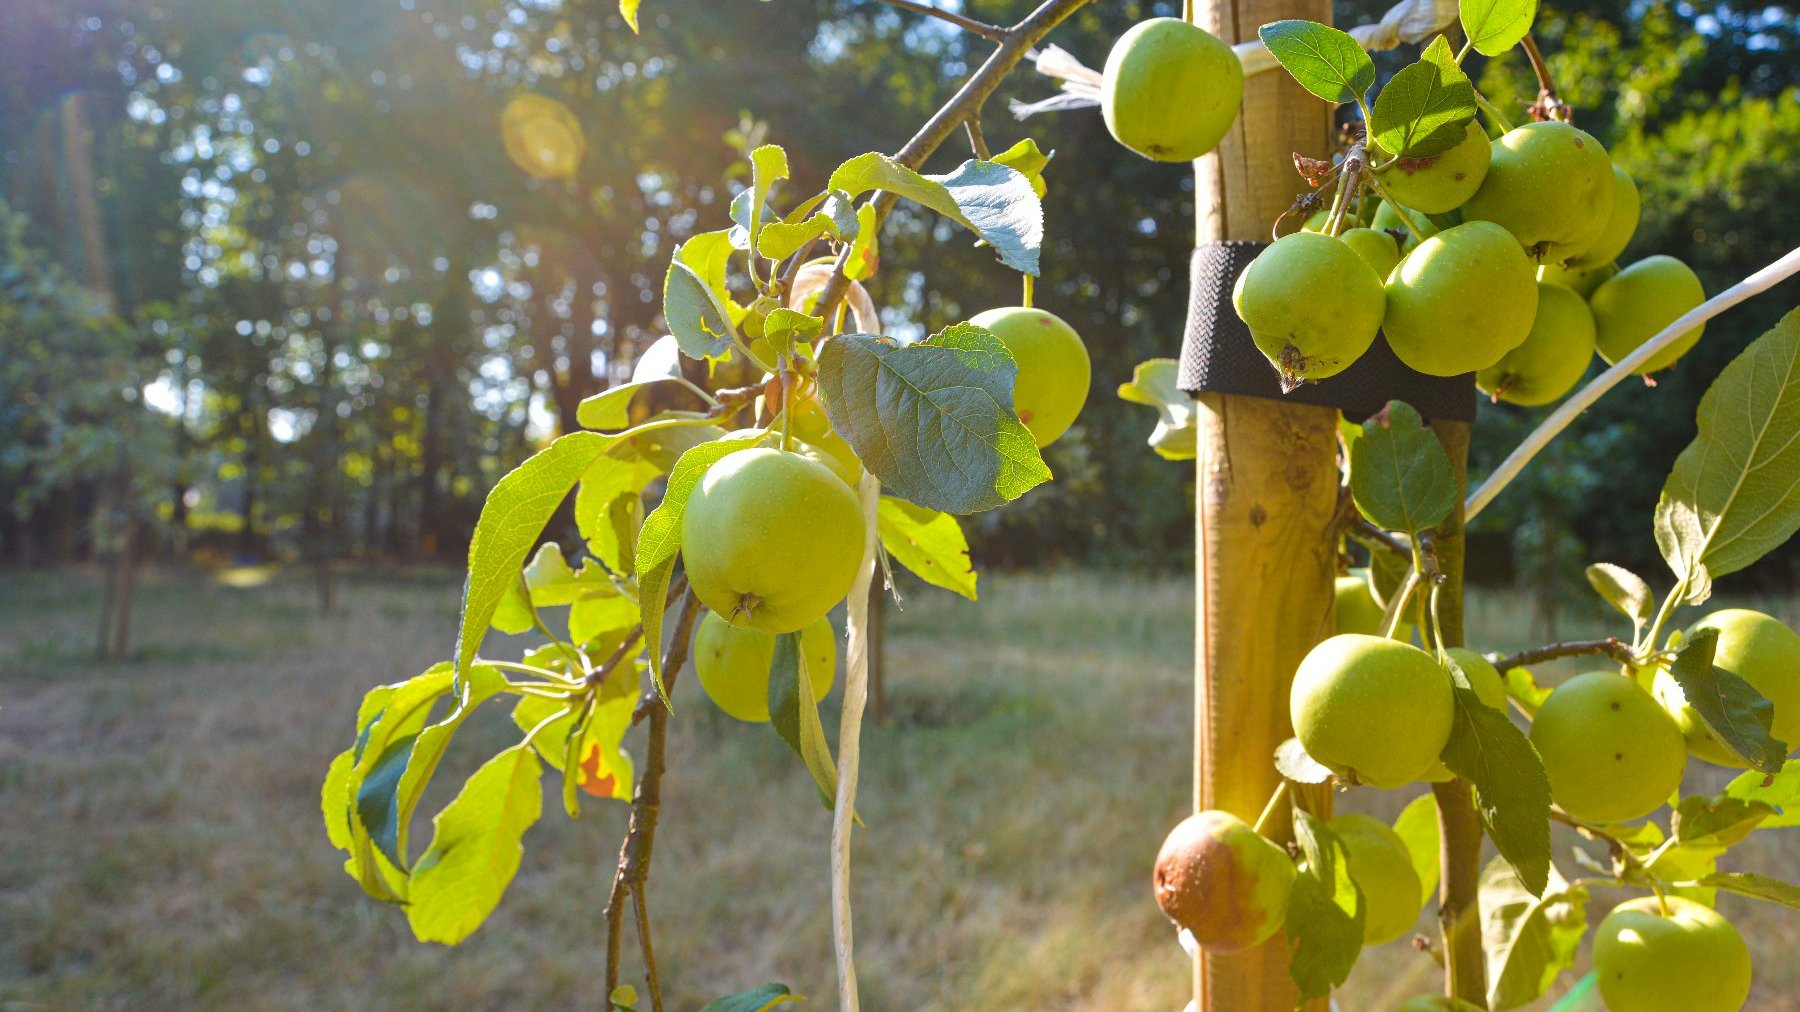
column 768, row 166
column 1327, row 62
column 1718, row 821
column 1731, row 708
column 1760, row 887
column 609, row 507
column 602, row 766
column 513, row 516
column 785, row 328
column 1324, row 913
column 754, row 1000
column 1400, row 475
column 1530, row 940
column 835, row 217
column 476, row 847
column 865, row 249
column 1782, row 791
column 1512, row 792
column 334, row 800
column 1418, row 828
column 660, row 541
column 1624, row 590
column 694, row 314
column 1523, row 688
column 708, row 255
column 992, row 200
column 1153, row 384
column 1029, row 161
column 1424, row 109
column 929, row 543
column 933, row 420
column 795, row 716
column 610, row 409
column 1732, row 497
column 1494, row 26
column 629, row 10
column 1292, row 762
column 427, row 750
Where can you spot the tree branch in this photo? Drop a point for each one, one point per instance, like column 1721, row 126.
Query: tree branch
column 1610, row 646
column 1549, row 105
column 646, row 806
column 966, row 103
column 967, row 24
column 1362, row 530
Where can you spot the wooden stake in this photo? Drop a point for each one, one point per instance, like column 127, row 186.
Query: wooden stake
column 1266, row 499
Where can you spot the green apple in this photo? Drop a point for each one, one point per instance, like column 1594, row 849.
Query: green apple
column 1378, row 249
column 1554, row 357
column 1611, row 752
column 1461, row 301
column 1373, row 710
column 1312, row 305
column 1582, row 281
column 771, row 540
column 1387, row 219
column 1170, row 90
column 811, row 425
column 1621, row 224
column 1550, row 185
column 733, row 664
column 1054, row 371
column 1670, row 955
column 1218, row 878
column 1442, row 182
column 1761, row 651
column 1383, row 869
column 1635, row 305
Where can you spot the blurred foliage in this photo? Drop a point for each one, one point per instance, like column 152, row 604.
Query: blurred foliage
column 379, row 288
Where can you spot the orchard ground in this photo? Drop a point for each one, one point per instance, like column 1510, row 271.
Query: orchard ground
column 160, row 844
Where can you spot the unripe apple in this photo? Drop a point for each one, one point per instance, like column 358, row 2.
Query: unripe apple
column 1316, row 221
column 1442, row 182
column 1682, row 957
column 1221, row 880
column 1357, row 610
column 1374, row 710
column 1621, row 224
column 1054, row 371
column 1378, row 249
column 1461, row 301
column 1383, row 869
column 1312, row 305
column 1582, row 281
column 733, row 664
column 771, row 540
column 1611, row 752
column 1635, row 305
column 1554, row 357
column 1548, row 183
column 1489, row 687
column 1387, row 219
column 1170, row 90
column 1761, row 651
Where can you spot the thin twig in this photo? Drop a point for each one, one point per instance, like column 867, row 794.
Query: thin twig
column 1017, row 42
column 1363, row 530
column 977, row 140
column 1610, row 646
column 646, row 806
column 643, row 928
column 1569, row 410
column 967, row 24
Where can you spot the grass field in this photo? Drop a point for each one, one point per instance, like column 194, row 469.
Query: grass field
column 161, row 845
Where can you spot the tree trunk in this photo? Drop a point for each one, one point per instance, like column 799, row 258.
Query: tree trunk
column 124, row 586
column 1266, row 498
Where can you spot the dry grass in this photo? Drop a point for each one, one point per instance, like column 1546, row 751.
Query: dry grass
column 160, row 843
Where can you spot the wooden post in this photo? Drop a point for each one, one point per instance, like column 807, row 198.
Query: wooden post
column 1266, row 497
